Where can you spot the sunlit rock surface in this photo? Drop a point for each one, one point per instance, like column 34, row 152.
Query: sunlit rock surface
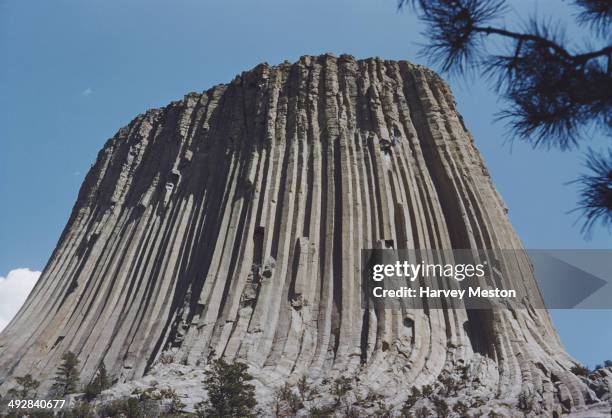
column 230, row 223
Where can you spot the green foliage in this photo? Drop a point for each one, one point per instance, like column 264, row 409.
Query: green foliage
column 415, row 395
column 596, row 190
column 321, row 412
column 422, row 412
column 13, row 413
column 341, row 387
column 150, row 407
column 26, row 387
column 175, row 405
column 441, row 407
column 580, row 370
column 307, row 393
column 370, row 398
column 67, row 376
column 477, row 402
column 461, row 409
column 129, row 407
column 200, row 409
column 132, row 408
column 287, row 399
column 451, row 383
column 449, row 386
column 383, row 410
column 166, row 358
column 151, row 400
column 427, row 391
column 463, row 371
column 557, row 94
column 229, row 393
column 100, row 382
column 36, row 414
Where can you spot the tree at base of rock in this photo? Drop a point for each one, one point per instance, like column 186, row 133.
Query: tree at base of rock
column 67, row 377
column 26, row 387
column 229, row 393
column 99, row 383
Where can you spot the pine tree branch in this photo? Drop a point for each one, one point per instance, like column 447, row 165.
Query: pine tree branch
column 524, row 37
column 578, row 58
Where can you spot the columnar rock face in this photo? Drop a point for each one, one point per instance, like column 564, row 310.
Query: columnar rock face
column 229, row 224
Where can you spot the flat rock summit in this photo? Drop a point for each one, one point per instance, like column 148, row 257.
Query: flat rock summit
column 230, row 223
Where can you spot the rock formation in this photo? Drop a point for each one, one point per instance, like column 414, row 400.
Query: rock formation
column 229, row 224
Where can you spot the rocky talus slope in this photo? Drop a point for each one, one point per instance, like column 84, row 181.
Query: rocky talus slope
column 230, row 224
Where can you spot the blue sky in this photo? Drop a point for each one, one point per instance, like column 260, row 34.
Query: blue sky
column 74, row 71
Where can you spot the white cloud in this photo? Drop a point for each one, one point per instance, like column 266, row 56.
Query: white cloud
column 14, row 288
column 87, row 92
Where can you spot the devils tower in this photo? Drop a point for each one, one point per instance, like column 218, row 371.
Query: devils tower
column 230, row 223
